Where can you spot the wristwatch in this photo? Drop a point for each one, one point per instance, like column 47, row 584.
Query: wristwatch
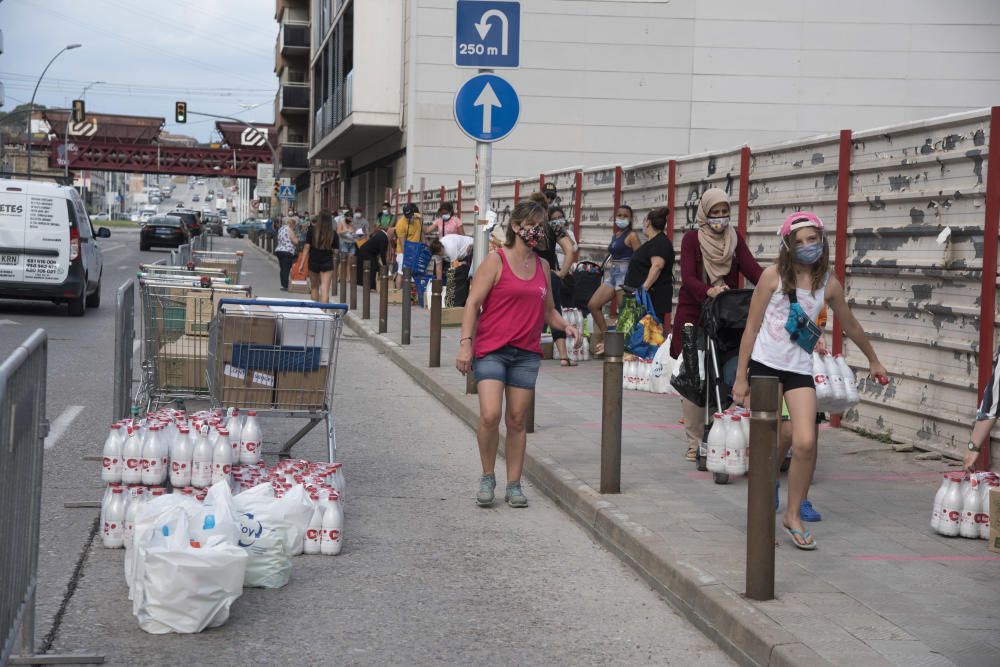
column 972, row 447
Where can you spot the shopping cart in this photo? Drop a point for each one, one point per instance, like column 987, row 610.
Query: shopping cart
column 230, row 262
column 278, row 357
column 174, row 328
column 161, row 272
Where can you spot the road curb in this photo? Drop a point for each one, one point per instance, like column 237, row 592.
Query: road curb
column 740, row 628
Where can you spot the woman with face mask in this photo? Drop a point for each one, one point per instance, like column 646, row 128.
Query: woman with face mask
column 446, row 222
column 652, row 265
column 502, row 343
column 624, row 242
column 713, row 256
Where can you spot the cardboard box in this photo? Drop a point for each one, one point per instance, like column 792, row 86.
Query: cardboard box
column 301, row 391
column 183, row 364
column 395, row 295
column 200, row 307
column 243, row 388
column 305, row 328
column 451, row 317
column 248, row 324
column 298, row 287
column 994, row 542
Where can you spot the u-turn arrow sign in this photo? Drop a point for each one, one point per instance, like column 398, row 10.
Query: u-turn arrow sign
column 488, row 34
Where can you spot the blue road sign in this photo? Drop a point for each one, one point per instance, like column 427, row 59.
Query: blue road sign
column 486, row 108
column 286, row 192
column 488, row 34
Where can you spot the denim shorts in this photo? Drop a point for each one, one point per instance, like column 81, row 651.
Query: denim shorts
column 614, row 273
column 510, row 365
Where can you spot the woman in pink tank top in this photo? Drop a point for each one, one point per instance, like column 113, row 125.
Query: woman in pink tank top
column 511, row 287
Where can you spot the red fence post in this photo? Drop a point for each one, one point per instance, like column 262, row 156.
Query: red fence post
column 409, row 195
column 541, row 182
column 744, row 207
column 517, row 191
column 671, row 188
column 991, row 228
column 459, row 204
column 396, row 204
column 577, row 204
column 840, row 251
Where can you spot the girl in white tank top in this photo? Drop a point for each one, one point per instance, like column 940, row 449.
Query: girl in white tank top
column 803, row 260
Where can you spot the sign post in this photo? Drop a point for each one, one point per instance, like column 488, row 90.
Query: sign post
column 487, row 37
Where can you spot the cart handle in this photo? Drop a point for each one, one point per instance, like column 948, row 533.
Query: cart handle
column 282, row 303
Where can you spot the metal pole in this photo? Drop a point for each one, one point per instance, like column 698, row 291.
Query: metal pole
column 352, row 268
column 31, row 104
column 611, row 413
column 484, row 170
column 336, row 273
column 760, row 487
column 366, row 291
column 435, row 353
column 345, row 260
column 383, row 302
column 404, row 337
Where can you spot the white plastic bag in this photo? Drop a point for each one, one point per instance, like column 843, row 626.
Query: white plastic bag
column 289, row 514
column 663, row 369
column 146, row 516
column 269, row 564
column 182, row 588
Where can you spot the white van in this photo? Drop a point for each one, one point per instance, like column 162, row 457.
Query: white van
column 48, row 248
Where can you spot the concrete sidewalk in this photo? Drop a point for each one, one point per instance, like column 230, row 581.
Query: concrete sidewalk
column 882, row 589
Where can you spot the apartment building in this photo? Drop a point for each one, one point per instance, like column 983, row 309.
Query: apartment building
column 291, row 104
column 623, row 81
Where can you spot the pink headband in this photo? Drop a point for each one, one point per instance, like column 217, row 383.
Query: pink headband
column 800, row 219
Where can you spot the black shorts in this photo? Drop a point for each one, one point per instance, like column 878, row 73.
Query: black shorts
column 787, row 379
column 320, row 265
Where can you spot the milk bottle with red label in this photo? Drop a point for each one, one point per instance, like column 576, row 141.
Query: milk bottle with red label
column 130, row 507
column 837, row 382
column 951, row 509
column 111, row 468
column 222, row 457
column 938, row 502
column 314, row 530
column 113, row 534
column 180, row 460
column 736, row 461
column 131, row 458
column 850, row 381
column 201, row 460
column 972, row 503
column 824, row 390
column 151, row 457
column 331, row 538
column 716, row 459
column 250, row 440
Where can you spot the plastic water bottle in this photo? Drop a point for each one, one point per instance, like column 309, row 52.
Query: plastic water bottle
column 736, row 462
column 939, row 501
column 313, row 539
column 250, row 440
column 201, row 460
column 111, row 468
column 331, row 539
column 715, row 461
column 951, row 508
column 222, row 457
column 113, row 534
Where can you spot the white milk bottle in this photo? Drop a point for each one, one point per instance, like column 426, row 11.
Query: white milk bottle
column 736, row 462
column 151, row 457
column 824, row 390
column 331, row 539
column 715, row 461
column 938, row 501
column 129, row 507
column 131, row 458
column 951, row 508
column 201, row 460
column 313, row 539
column 111, row 468
column 113, row 535
column 180, row 460
column 837, row 383
column 250, row 440
column 972, row 503
column 222, row 457
column 850, row 381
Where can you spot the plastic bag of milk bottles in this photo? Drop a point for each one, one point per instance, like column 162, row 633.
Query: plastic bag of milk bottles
column 289, row 514
column 185, row 587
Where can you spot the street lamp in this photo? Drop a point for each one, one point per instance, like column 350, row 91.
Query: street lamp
column 66, row 133
column 31, row 105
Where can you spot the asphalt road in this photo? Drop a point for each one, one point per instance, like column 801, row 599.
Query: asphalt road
column 425, row 577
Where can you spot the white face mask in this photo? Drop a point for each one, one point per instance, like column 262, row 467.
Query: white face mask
column 385, row 211
column 357, row 216
column 446, row 216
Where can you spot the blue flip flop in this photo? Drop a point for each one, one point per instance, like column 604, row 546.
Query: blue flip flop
column 804, row 534
column 808, row 513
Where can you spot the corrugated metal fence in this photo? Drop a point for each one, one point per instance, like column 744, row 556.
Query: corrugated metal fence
column 912, row 212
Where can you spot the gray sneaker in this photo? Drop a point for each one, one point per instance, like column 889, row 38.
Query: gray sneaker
column 486, row 485
column 515, row 496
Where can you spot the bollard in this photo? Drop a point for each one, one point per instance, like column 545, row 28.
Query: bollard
column 383, row 302
column 344, row 260
column 760, row 487
column 529, row 418
column 611, row 413
column 404, row 334
column 366, row 294
column 435, row 351
column 336, row 272
column 352, row 269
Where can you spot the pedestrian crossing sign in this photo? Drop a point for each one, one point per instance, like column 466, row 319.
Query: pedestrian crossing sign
column 286, row 192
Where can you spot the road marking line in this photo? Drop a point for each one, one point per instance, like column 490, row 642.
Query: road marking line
column 111, row 248
column 61, row 423
column 945, row 559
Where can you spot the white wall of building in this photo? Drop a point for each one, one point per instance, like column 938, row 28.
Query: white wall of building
column 621, row 82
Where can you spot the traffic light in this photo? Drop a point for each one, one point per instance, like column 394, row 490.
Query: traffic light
column 79, row 111
column 181, row 112
column 276, row 186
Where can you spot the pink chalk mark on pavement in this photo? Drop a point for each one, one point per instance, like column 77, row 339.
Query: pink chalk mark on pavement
column 638, row 427
column 944, row 559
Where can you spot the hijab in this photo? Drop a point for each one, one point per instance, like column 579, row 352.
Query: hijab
column 717, row 248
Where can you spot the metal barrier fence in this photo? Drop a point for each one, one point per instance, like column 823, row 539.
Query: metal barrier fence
column 23, row 428
column 124, row 342
column 181, row 255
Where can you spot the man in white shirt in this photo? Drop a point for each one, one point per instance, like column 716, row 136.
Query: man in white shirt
column 456, row 246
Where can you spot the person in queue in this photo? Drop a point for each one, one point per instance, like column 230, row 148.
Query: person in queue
column 409, row 227
column 284, row 249
column 624, row 242
column 345, row 230
column 780, row 337
column 652, row 265
column 501, row 344
column 446, row 222
column 385, row 218
column 986, row 418
column 555, row 239
column 320, row 244
column 713, row 257
column 374, row 250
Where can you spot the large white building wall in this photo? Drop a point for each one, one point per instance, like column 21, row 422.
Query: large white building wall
column 622, row 82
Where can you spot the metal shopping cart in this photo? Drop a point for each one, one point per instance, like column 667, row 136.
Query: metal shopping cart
column 184, row 274
column 229, row 262
column 278, row 357
column 174, row 337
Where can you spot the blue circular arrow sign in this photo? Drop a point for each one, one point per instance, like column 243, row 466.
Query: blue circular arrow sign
column 487, row 108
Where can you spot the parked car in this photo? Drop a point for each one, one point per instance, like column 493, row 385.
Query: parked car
column 190, row 217
column 164, row 231
column 238, row 229
column 212, row 224
column 48, row 247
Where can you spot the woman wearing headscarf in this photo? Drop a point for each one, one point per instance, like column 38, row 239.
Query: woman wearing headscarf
column 713, row 256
